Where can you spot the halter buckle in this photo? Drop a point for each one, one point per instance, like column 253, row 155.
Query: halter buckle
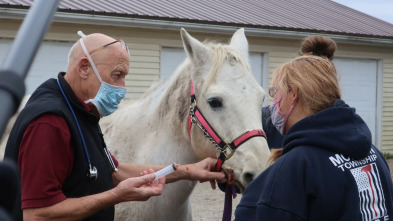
column 227, row 151
column 193, row 104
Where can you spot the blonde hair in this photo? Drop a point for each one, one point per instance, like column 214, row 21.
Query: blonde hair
column 312, row 76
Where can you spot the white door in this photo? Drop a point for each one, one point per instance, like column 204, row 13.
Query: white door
column 358, row 81
column 49, row 61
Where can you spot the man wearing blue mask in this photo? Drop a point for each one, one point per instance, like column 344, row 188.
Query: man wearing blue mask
column 66, row 170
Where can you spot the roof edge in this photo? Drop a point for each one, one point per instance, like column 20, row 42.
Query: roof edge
column 78, row 18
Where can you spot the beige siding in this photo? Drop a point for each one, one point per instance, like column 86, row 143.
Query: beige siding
column 145, row 49
column 387, row 106
column 275, row 60
column 278, row 52
column 144, row 68
column 8, row 28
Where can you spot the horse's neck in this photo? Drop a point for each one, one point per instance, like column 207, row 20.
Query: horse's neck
column 168, row 108
column 169, row 103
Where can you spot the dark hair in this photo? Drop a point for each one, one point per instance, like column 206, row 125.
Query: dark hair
column 319, row 46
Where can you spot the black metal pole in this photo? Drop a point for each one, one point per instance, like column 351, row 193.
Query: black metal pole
column 17, row 63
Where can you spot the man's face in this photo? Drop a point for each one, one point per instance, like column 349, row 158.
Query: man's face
column 112, row 68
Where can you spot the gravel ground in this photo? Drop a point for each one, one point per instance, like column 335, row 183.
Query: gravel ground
column 208, row 204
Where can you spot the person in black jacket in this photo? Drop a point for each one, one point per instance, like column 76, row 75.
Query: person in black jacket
column 328, row 169
column 274, row 138
column 9, row 189
column 66, row 170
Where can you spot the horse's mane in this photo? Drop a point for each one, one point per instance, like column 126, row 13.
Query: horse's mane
column 221, row 53
column 225, row 53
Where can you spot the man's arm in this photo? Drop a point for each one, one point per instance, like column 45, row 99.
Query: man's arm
column 45, row 165
column 132, row 189
column 197, row 171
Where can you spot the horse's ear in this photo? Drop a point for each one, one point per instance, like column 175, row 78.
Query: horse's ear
column 239, row 41
column 195, row 50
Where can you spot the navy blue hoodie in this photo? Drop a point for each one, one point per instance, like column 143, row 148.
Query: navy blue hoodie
column 329, row 170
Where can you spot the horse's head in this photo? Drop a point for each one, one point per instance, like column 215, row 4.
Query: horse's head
column 230, row 99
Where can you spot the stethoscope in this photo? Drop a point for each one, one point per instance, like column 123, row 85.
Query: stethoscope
column 92, row 173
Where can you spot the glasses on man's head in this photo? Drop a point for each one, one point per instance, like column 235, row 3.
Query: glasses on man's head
column 273, row 91
column 123, row 45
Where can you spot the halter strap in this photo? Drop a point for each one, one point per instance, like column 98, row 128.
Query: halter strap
column 208, row 128
column 189, row 116
column 235, row 144
column 226, row 149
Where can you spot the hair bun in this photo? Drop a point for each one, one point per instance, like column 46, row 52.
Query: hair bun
column 319, row 46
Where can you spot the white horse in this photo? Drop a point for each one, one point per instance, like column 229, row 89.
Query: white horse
column 154, row 128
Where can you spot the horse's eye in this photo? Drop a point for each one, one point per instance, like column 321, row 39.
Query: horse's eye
column 215, row 102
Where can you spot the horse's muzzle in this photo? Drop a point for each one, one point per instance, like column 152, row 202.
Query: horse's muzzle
column 230, row 180
column 239, row 188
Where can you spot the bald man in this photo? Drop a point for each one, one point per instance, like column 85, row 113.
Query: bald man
column 66, row 171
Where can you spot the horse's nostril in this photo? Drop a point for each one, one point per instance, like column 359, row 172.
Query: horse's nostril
column 248, row 177
column 222, row 186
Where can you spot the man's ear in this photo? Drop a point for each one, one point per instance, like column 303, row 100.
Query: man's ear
column 83, row 68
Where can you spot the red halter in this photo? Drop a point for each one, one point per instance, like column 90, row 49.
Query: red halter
column 226, row 149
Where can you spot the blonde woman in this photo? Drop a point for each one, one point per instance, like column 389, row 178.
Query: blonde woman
column 328, row 168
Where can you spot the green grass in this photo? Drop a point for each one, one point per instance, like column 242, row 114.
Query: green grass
column 388, row 155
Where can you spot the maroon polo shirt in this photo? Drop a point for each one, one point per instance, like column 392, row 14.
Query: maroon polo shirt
column 46, row 158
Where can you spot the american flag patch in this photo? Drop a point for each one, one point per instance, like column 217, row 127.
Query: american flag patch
column 372, row 201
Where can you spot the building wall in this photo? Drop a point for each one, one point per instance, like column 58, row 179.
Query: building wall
column 145, row 49
column 387, row 105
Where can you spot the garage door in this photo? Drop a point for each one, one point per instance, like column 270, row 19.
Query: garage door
column 49, row 61
column 358, row 79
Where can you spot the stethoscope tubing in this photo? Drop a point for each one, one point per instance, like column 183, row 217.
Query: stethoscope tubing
column 92, row 170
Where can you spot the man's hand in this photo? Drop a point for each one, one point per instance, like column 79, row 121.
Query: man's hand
column 202, row 171
column 132, row 189
column 139, row 188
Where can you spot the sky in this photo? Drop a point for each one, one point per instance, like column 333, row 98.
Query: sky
column 382, row 9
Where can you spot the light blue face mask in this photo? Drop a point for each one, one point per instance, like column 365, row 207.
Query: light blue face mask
column 108, row 96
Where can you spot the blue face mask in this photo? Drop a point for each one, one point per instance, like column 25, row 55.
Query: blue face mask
column 108, row 96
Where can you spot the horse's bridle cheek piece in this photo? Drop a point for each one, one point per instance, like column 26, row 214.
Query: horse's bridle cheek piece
column 226, row 149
